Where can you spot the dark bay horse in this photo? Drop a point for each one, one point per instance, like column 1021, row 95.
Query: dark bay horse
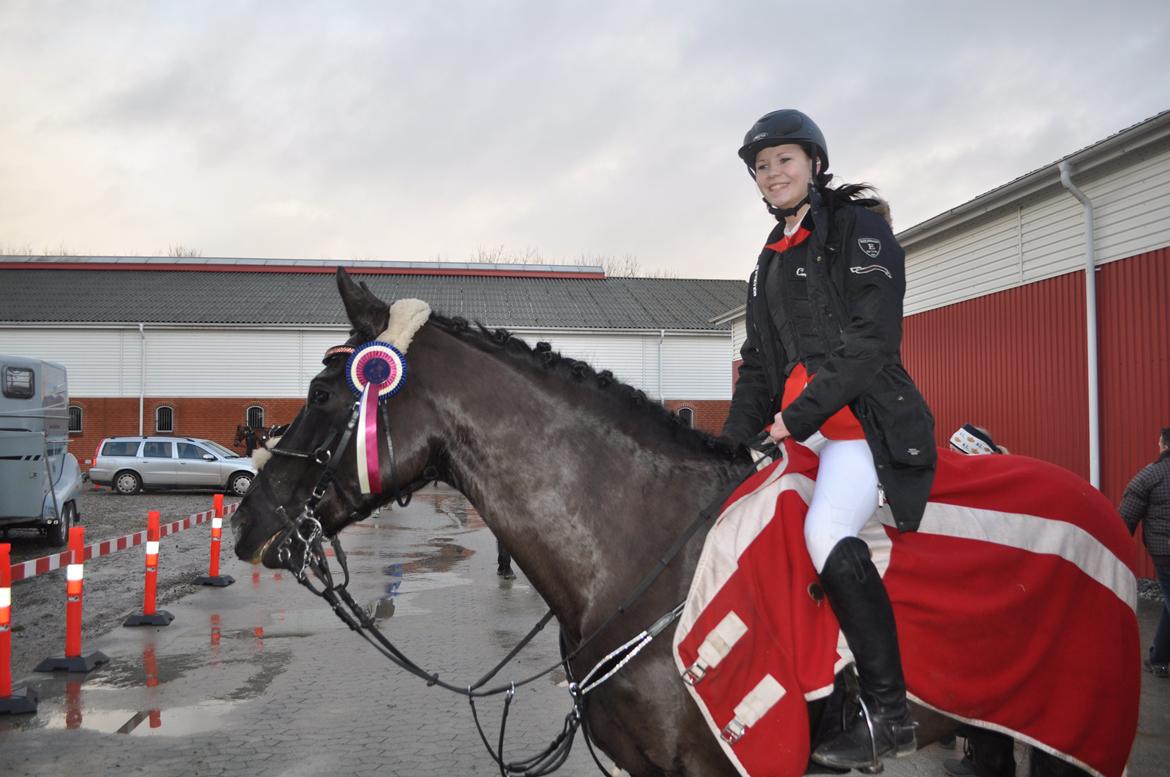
column 585, row 479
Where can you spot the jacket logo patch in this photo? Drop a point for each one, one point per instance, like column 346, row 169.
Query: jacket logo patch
column 870, row 246
column 800, row 273
column 871, row 268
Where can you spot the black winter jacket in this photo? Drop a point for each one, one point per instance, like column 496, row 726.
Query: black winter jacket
column 856, row 280
column 1147, row 501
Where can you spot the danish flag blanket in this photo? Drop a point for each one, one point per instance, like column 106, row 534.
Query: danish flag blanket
column 1015, row 606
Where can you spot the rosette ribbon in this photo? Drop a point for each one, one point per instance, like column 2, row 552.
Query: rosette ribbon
column 375, row 371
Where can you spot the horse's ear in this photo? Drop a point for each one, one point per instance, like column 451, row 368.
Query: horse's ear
column 368, row 314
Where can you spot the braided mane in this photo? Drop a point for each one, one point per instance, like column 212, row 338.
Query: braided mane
column 543, row 357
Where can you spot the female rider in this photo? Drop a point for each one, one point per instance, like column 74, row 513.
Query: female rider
column 824, row 328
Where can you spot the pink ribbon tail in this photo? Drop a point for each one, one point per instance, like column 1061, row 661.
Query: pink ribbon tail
column 368, row 464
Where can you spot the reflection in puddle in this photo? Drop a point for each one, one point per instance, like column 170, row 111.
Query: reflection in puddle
column 173, row 721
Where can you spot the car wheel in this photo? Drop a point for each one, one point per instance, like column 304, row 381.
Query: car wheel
column 59, row 532
column 240, row 483
column 127, row 482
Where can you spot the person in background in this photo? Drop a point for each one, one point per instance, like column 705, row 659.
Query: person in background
column 1147, row 502
column 985, row 753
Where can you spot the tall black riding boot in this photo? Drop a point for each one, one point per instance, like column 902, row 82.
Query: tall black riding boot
column 859, row 600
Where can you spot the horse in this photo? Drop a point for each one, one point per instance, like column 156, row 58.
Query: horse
column 583, row 477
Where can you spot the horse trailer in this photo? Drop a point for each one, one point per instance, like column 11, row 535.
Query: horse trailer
column 39, row 479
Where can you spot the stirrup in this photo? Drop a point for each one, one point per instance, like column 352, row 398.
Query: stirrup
column 875, row 766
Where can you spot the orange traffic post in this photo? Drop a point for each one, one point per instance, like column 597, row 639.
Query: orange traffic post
column 150, row 616
column 213, row 577
column 73, row 661
column 25, row 700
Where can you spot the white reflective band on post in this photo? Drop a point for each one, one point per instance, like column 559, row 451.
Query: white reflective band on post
column 753, row 707
column 5, row 597
column 216, row 523
column 73, row 572
column 716, row 647
column 152, row 547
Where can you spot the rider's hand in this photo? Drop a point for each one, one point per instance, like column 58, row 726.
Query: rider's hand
column 778, row 431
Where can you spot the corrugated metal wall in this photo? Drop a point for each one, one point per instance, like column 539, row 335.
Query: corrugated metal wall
column 1015, row 363
column 1043, row 236
column 274, row 363
column 1133, row 300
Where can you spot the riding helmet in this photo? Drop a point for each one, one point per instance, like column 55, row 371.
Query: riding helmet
column 786, row 125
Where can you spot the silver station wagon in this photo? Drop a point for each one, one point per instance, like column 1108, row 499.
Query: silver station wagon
column 133, row 464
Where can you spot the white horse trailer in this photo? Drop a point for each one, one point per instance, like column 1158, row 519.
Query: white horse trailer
column 39, row 478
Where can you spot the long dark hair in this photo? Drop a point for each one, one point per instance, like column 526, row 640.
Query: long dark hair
column 834, row 197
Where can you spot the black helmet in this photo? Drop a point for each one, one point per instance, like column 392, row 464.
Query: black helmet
column 786, row 125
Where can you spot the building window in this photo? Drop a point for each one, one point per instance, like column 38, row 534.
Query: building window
column 164, row 419
column 75, row 416
column 254, row 417
column 688, row 415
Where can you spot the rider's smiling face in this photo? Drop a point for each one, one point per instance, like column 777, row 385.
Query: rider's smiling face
column 783, row 173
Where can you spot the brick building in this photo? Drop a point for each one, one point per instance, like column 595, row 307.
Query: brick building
column 197, row 347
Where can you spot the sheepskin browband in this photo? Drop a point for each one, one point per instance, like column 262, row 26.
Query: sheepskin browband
column 406, row 317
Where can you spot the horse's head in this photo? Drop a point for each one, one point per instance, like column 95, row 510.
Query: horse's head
column 317, row 442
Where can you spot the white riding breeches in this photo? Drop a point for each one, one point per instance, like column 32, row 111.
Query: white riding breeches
column 845, row 497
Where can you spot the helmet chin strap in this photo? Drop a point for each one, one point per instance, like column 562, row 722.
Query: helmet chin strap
column 783, row 213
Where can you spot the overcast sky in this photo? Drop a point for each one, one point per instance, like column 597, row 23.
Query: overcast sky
column 436, row 130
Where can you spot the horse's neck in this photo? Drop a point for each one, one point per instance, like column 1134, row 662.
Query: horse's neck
column 584, row 499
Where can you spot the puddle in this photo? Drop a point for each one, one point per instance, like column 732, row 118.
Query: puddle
column 198, row 718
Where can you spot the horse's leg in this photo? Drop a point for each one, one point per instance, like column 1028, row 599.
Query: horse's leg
column 1045, row 765
column 646, row 721
column 993, row 753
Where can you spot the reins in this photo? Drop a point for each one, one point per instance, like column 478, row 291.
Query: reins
column 304, row 535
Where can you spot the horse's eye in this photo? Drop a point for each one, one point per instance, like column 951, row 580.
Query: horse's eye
column 319, row 396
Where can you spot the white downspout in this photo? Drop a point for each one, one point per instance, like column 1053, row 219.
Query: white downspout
column 661, row 341
column 1090, row 325
column 141, row 374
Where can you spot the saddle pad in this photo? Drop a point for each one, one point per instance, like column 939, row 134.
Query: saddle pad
column 1015, row 606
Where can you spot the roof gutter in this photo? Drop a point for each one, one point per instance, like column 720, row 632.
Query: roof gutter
column 141, row 374
column 1090, row 323
column 661, row 340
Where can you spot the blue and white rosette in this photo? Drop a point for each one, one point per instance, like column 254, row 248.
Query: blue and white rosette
column 375, row 371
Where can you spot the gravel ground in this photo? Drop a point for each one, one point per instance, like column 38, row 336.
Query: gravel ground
column 113, row 583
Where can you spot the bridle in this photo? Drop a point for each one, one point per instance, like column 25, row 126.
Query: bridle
column 300, row 549
column 328, row 455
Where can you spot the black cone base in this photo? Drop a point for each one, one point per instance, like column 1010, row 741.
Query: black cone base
column 160, row 618
column 219, row 581
column 73, row 663
column 22, row 702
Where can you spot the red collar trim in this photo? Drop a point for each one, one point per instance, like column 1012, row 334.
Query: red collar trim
column 788, row 241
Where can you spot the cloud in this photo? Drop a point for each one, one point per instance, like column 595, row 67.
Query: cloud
column 415, row 130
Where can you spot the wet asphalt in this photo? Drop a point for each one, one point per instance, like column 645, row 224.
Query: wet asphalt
column 260, row 678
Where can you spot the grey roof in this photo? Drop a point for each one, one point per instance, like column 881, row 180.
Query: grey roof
column 207, row 296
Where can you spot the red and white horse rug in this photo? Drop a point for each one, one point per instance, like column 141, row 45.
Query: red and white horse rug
column 1015, row 605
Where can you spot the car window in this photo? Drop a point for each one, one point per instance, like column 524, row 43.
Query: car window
column 222, row 451
column 120, row 448
column 189, row 451
column 154, row 449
